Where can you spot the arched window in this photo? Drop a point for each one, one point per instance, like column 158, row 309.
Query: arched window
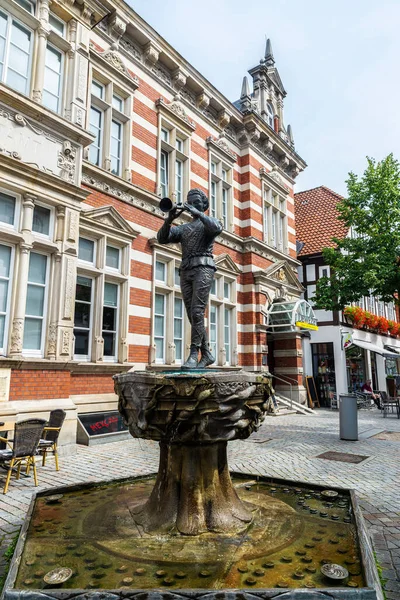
column 270, row 114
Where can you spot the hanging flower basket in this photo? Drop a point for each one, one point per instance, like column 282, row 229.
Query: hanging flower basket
column 362, row 319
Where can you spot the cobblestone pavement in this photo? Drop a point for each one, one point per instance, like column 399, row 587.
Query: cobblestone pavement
column 284, row 447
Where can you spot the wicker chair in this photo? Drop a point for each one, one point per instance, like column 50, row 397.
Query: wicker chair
column 23, row 448
column 50, row 435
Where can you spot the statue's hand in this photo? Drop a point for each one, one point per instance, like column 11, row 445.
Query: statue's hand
column 173, row 213
column 192, row 210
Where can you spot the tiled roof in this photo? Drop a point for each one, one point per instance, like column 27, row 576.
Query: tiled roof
column 317, row 220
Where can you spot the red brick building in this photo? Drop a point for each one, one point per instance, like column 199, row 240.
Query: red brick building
column 108, row 121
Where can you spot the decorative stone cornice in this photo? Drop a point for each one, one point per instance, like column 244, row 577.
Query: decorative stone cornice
column 111, row 59
column 225, row 263
column 203, row 101
column 117, row 25
column 223, row 118
column 274, row 179
column 278, row 275
column 177, row 111
column 221, row 145
column 151, row 53
column 108, row 219
column 178, row 79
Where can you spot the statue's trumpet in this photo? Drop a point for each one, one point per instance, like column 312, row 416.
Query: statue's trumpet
column 166, row 205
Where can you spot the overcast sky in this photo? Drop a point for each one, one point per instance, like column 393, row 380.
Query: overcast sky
column 339, row 63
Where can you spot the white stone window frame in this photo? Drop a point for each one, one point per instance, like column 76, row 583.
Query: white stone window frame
column 112, row 87
column 52, row 43
column 221, row 184
column 109, row 279
column 170, row 290
column 43, row 236
column 225, row 275
column 81, row 261
column 86, row 357
column 15, row 227
column 46, row 309
column 169, row 147
column 275, row 202
column 15, row 12
column 101, row 274
column 7, row 321
column 61, row 43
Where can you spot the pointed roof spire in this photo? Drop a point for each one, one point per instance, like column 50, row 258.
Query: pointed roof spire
column 290, row 135
column 245, row 88
column 269, row 56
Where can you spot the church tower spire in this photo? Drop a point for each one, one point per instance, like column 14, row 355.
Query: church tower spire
column 269, row 55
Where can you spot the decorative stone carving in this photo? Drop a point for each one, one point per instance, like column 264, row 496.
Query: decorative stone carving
column 284, row 162
column 203, row 101
column 267, row 146
column 178, row 109
column 161, row 73
column 178, row 79
column 52, row 340
column 211, row 114
column 99, row 348
column 230, row 132
column 117, row 26
column 221, row 144
column 24, row 140
column 67, row 161
column 188, row 96
column 82, row 68
column 69, row 297
column 73, row 226
column 131, row 48
column 294, row 172
column 223, row 119
column 16, row 336
column 66, row 342
column 151, row 53
column 243, row 136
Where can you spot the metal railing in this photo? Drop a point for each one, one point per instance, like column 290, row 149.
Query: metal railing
column 287, row 381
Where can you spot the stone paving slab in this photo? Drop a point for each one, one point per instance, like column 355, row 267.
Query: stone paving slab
column 294, row 441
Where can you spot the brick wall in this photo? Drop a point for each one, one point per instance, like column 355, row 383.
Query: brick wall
column 31, row 384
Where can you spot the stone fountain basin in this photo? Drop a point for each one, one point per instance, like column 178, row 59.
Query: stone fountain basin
column 287, row 522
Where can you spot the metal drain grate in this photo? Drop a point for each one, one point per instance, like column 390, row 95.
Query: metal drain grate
column 343, row 457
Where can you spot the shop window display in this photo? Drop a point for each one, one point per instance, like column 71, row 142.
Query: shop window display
column 324, row 371
column 355, row 366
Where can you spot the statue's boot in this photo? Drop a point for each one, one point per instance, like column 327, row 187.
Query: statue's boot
column 193, row 359
column 206, row 359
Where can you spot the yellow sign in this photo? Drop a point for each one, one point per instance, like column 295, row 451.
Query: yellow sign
column 306, row 325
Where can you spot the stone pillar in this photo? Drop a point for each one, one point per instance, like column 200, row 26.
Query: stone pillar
column 78, row 68
column 288, row 359
column 52, row 337
column 17, row 330
column 43, row 32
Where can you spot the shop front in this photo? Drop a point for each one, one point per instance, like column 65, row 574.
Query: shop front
column 341, row 360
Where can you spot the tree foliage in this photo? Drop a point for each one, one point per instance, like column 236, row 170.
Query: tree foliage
column 367, row 262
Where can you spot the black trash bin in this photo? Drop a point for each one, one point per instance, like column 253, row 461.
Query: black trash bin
column 348, row 422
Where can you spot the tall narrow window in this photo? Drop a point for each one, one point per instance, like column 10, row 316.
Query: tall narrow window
column 7, row 209
column 113, row 257
column 41, row 220
column 52, row 79
column 213, row 198
column 164, row 174
column 281, row 231
column 227, row 334
column 35, row 302
column 15, row 53
column 225, row 208
column 159, row 327
column 178, row 329
column 266, row 228
column 5, row 270
column 178, row 180
column 273, row 228
column 83, row 317
column 96, row 125
column 270, row 114
column 213, row 333
column 110, row 320
column 116, row 147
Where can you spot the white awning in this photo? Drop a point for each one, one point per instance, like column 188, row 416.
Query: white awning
column 374, row 348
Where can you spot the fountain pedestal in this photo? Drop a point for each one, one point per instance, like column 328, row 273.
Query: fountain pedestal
column 193, row 415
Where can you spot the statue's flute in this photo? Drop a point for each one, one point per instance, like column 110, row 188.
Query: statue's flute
column 166, row 205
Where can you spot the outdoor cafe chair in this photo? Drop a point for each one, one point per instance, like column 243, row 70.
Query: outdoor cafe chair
column 388, row 403
column 50, row 435
column 23, row 449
